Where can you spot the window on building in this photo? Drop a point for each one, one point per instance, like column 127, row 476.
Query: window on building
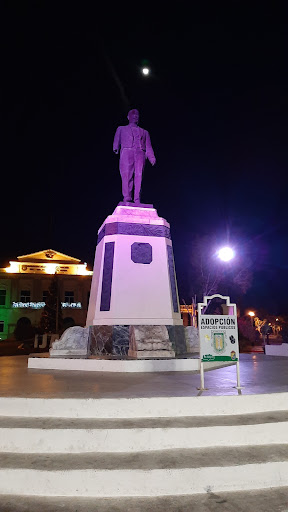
column 25, row 296
column 2, row 297
column 1, row 325
column 45, row 295
column 69, row 297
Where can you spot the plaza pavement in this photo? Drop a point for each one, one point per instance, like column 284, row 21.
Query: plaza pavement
column 258, row 374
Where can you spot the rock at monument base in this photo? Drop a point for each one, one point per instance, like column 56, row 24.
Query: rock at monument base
column 136, row 341
column 73, row 343
column 192, row 339
column 150, row 341
column 108, row 339
column 100, row 339
column 177, row 338
column 120, row 340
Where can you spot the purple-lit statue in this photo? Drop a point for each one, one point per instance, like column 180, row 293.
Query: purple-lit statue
column 135, row 148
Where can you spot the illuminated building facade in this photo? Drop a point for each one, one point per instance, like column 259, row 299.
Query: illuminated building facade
column 24, row 287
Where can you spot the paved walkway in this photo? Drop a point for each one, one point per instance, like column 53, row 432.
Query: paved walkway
column 258, row 374
column 264, row 500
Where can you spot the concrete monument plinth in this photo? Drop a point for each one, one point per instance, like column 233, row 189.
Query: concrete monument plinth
column 134, row 280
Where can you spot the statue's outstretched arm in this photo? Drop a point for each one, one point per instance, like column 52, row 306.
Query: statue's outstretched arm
column 149, row 150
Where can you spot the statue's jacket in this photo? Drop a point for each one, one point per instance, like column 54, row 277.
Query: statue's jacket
column 124, row 139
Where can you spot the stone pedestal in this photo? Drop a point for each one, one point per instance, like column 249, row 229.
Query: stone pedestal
column 134, row 280
column 150, row 341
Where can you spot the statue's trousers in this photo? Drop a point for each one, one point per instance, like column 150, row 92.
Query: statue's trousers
column 132, row 163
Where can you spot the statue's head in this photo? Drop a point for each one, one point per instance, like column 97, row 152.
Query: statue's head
column 133, row 116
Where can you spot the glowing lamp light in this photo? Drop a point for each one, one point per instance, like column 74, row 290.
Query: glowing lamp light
column 50, row 268
column 14, row 267
column 251, row 313
column 82, row 270
column 145, row 71
column 226, row 254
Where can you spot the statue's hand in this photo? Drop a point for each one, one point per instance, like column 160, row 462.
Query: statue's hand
column 115, row 151
column 153, row 161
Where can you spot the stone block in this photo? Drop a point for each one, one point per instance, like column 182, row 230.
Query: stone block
column 192, row 339
column 108, row 339
column 100, row 340
column 120, row 340
column 177, row 338
column 73, row 343
column 150, row 341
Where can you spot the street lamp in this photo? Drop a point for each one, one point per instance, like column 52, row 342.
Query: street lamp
column 226, row 253
column 251, row 314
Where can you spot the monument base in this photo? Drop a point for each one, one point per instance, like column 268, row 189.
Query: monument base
column 69, row 353
column 151, row 354
column 142, row 341
column 135, row 205
column 101, row 365
column 134, row 279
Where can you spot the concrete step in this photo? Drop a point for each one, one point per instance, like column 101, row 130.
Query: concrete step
column 142, row 407
column 264, row 500
column 138, row 482
column 172, row 422
column 37, row 440
column 84, row 453
column 159, row 459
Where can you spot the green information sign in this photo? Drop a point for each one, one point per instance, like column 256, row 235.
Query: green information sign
column 218, row 338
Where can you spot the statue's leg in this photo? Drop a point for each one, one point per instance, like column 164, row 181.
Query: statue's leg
column 126, row 171
column 139, row 166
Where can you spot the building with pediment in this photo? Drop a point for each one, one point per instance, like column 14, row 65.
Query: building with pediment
column 24, row 287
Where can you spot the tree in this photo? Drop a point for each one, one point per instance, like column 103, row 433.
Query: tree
column 51, row 319
column 209, row 275
column 246, row 330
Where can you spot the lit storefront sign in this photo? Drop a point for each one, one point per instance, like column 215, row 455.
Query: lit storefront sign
column 33, row 305
column 74, row 305
column 39, row 305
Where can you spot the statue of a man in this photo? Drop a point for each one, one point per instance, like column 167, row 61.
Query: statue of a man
column 135, row 148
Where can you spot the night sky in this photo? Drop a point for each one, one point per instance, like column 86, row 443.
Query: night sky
column 215, row 105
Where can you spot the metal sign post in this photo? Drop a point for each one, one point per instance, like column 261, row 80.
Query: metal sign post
column 218, row 336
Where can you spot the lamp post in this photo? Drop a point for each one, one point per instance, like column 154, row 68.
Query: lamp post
column 251, row 314
column 57, row 268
